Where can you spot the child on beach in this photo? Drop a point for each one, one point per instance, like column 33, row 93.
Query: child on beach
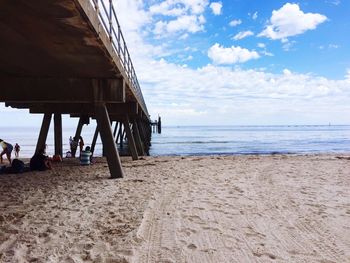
column 17, row 149
column 85, row 156
column 6, row 149
column 81, row 144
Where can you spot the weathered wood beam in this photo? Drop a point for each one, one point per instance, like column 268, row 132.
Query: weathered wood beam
column 58, row 134
column 54, row 90
column 109, row 145
column 142, row 134
column 120, row 135
column 40, row 146
column 139, row 143
column 77, row 135
column 78, row 109
column 115, row 129
column 130, row 137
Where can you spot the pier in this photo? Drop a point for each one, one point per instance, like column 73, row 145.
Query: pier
column 70, row 57
column 157, row 125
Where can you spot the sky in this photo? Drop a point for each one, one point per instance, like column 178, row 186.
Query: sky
column 238, row 62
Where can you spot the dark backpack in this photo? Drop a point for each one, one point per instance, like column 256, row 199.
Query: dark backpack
column 17, row 166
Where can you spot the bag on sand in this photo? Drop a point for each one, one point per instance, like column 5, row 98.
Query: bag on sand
column 57, row 158
column 17, row 166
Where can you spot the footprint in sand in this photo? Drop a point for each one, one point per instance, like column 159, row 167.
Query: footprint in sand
column 192, row 246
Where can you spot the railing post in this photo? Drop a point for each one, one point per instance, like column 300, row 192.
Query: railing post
column 129, row 65
column 124, row 51
column 121, row 47
column 110, row 20
column 96, row 5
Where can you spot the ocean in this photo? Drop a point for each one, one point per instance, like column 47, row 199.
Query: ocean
column 231, row 140
column 206, row 140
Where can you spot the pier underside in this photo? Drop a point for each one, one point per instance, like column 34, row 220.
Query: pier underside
column 57, row 58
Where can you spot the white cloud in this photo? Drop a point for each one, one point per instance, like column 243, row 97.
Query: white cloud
column 255, row 15
column 185, row 23
column 216, row 8
column 134, row 18
column 333, row 2
column 330, row 46
column 184, row 36
column 159, row 27
column 196, row 6
column 231, row 55
column 192, row 49
column 166, row 9
column 287, row 46
column 179, row 7
column 214, row 94
column 264, row 51
column 177, row 16
column 287, row 72
column 291, row 21
column 243, row 34
column 205, row 92
column 235, row 22
column 333, row 46
column 347, row 76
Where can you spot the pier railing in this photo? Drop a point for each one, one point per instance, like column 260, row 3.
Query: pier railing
column 106, row 12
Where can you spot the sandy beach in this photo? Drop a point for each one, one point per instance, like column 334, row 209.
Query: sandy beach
column 276, row 208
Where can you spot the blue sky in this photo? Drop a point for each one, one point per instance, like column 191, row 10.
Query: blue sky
column 239, row 62
column 321, row 50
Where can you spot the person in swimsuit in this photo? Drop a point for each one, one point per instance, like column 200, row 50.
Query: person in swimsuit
column 6, row 149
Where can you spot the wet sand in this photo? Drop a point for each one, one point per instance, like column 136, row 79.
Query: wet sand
column 279, row 208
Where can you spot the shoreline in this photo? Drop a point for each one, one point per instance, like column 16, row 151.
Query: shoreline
column 180, row 209
column 125, row 157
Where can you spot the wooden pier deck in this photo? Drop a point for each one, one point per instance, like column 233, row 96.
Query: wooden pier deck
column 70, row 57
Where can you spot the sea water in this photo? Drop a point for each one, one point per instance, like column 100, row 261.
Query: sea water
column 206, row 140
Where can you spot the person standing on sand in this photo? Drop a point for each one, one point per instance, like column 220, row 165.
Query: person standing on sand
column 81, row 144
column 7, row 149
column 17, row 149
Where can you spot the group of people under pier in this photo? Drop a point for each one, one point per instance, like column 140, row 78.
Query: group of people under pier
column 125, row 132
column 39, row 162
column 7, row 149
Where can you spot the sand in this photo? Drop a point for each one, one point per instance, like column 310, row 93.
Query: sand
column 280, row 208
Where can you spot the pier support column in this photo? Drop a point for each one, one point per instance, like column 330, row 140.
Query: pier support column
column 104, row 126
column 130, row 137
column 119, row 135
column 115, row 129
column 104, row 153
column 159, row 125
column 122, row 138
column 43, row 132
column 138, row 140
column 144, row 137
column 57, row 119
column 77, row 135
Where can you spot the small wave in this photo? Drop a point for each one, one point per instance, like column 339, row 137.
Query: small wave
column 193, row 142
column 227, row 153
